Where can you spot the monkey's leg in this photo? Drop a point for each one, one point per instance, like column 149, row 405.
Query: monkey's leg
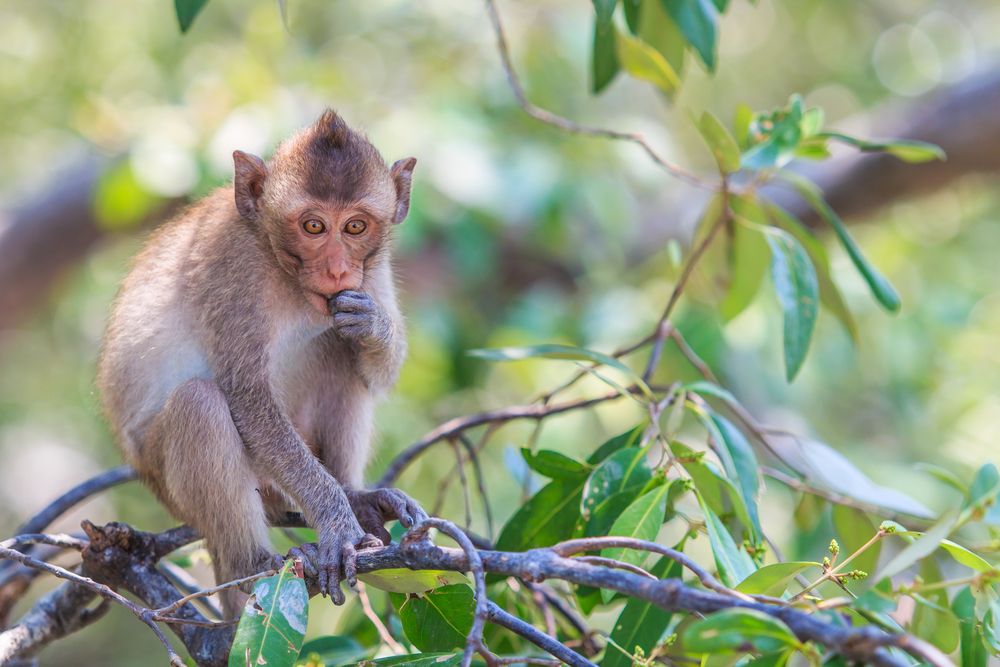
column 206, row 475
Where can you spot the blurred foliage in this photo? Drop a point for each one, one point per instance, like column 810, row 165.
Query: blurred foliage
column 424, row 79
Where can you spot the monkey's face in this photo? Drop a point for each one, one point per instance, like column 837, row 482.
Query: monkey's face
column 327, row 202
column 328, row 248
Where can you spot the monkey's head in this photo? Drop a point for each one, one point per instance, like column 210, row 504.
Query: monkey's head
column 327, row 202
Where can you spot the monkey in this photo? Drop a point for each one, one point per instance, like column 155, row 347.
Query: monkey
column 248, row 345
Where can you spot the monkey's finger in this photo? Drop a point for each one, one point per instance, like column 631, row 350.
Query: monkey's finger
column 308, row 555
column 349, row 556
column 350, row 319
column 416, row 511
column 380, row 538
column 323, row 580
column 334, row 579
column 353, row 302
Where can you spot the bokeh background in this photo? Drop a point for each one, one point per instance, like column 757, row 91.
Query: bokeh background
column 518, row 234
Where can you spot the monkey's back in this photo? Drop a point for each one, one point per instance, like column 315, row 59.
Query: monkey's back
column 152, row 343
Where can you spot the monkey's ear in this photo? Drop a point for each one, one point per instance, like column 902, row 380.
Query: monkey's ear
column 402, row 176
column 249, row 183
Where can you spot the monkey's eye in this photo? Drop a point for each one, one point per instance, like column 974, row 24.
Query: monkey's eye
column 355, row 227
column 313, row 226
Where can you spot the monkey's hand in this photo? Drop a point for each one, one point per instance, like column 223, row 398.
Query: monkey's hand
column 374, row 508
column 334, row 558
column 356, row 316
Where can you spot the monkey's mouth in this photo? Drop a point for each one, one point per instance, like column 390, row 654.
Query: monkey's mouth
column 319, row 302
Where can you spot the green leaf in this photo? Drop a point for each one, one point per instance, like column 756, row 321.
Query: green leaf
column 713, row 487
column 186, row 11
column 907, row 150
column 416, row 660
column 795, row 284
column 973, row 649
column 734, row 565
column 748, row 263
column 773, row 579
column 659, row 31
column 403, row 580
column 829, row 293
column 921, row 548
column 881, row 288
column 641, row 623
column 645, row 63
column 745, row 466
column 732, row 629
column 854, row 528
column 985, row 486
column 720, row 142
column 604, row 60
column 334, row 650
column 555, row 465
column 273, row 625
column 439, row 620
column 629, row 438
column 623, row 470
column 567, row 352
column 604, row 9
column 967, row 557
column 641, row 520
column 698, row 21
column 633, row 15
column 741, row 124
column 548, row 517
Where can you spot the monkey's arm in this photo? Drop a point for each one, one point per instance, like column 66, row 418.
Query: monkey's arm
column 378, row 332
column 278, row 452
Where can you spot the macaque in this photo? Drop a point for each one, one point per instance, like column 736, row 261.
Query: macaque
column 248, row 345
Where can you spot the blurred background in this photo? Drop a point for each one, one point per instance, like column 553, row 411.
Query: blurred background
column 518, row 234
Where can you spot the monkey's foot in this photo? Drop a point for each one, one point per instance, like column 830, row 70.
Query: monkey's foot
column 374, row 508
column 309, row 555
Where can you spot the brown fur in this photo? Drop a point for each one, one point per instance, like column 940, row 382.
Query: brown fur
column 222, row 359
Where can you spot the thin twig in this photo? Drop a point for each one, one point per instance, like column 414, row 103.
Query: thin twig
column 383, row 631
column 567, row 125
column 571, row 547
column 453, row 427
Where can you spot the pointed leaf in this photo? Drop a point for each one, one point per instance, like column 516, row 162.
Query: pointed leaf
column 186, row 11
column 734, row 564
column 732, row 629
column 881, row 288
column 630, row 438
column 403, row 580
column 908, row 150
column 604, row 59
column 641, row 520
column 555, row 464
column 645, row 63
column 698, row 21
column 921, row 548
column 567, row 352
column 795, row 283
column 548, row 517
column 773, row 579
column 439, row 620
column 720, row 142
column 273, row 625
